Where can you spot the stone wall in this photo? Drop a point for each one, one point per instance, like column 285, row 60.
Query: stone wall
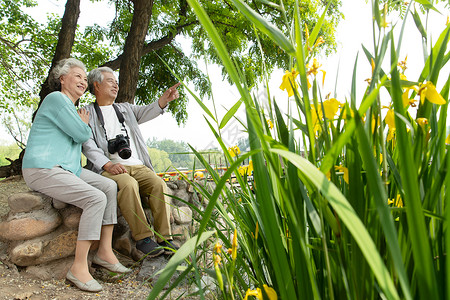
column 41, row 233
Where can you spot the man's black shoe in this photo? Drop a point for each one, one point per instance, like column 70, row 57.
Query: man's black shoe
column 169, row 247
column 149, row 247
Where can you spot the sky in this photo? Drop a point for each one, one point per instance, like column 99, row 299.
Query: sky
column 355, row 30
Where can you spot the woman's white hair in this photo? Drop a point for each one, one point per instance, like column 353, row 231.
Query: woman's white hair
column 63, row 68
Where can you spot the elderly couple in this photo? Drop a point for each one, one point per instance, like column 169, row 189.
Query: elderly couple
column 119, row 168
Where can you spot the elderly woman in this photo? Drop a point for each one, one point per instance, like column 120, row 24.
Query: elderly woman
column 52, row 166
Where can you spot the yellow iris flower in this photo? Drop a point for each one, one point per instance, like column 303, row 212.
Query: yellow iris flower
column 402, row 65
column 271, row 293
column 428, row 91
column 344, row 170
column 246, row 169
column 234, row 151
column 315, row 118
column 242, row 170
column 422, row 122
column 384, row 23
column 288, row 79
column 396, row 202
column 405, row 97
column 390, row 119
column 250, row 167
column 331, row 108
column 391, row 135
column 375, row 123
column 217, row 262
column 217, row 248
column 314, row 69
column 390, row 122
column 306, row 33
column 234, row 246
column 447, row 140
column 319, row 42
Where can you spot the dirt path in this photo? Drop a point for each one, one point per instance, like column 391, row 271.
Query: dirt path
column 15, row 285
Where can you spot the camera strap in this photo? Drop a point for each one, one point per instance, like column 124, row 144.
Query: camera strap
column 102, row 121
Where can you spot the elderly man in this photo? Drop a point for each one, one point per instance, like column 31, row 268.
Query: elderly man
column 117, row 150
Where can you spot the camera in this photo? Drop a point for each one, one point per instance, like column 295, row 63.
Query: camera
column 121, row 145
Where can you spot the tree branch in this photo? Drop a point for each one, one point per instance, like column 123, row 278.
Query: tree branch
column 151, row 46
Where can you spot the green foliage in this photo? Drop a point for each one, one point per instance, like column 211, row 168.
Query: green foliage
column 402, row 6
column 181, row 156
column 16, row 123
column 8, row 151
column 22, row 61
column 27, row 50
column 170, row 18
column 178, row 152
column 154, row 78
column 160, row 159
column 28, row 47
column 345, row 200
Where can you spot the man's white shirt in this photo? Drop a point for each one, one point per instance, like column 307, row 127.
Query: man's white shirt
column 113, row 128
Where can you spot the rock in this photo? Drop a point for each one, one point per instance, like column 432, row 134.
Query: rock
column 171, row 218
column 121, row 227
column 57, row 245
column 59, row 204
column 27, row 253
column 25, row 202
column 181, row 194
column 180, row 232
column 150, row 268
column 71, row 216
column 136, row 255
column 182, row 184
column 208, row 284
column 171, row 185
column 123, row 244
column 54, row 270
column 30, row 225
column 182, row 215
column 40, row 233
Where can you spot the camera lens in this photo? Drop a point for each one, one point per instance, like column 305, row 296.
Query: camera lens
column 120, row 145
column 124, row 153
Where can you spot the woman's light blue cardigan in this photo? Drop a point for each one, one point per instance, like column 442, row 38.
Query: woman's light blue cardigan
column 56, row 136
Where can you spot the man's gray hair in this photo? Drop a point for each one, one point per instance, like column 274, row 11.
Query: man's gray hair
column 96, row 75
column 61, row 68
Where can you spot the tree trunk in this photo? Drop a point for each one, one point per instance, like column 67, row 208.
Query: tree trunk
column 158, row 44
column 66, row 38
column 132, row 53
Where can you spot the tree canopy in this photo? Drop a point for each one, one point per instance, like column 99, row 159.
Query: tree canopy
column 160, row 160
column 142, row 40
column 178, row 152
